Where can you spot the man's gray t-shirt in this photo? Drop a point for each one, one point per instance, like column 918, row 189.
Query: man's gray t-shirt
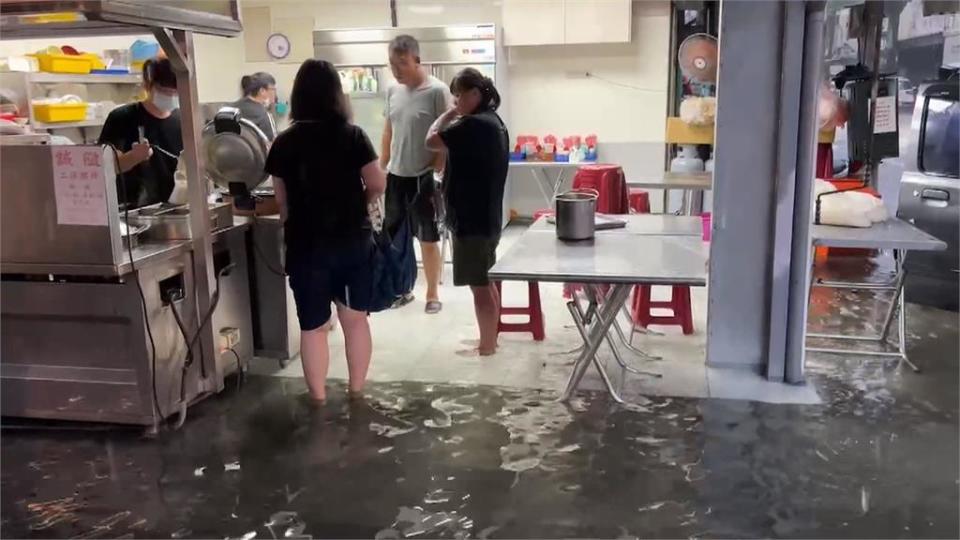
column 411, row 113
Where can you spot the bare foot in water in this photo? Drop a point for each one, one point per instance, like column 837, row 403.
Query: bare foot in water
column 476, row 351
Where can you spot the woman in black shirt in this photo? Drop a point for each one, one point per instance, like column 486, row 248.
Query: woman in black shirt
column 478, row 152
column 147, row 137
column 325, row 171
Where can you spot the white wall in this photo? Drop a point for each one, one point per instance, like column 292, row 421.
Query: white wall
column 550, row 94
column 547, row 90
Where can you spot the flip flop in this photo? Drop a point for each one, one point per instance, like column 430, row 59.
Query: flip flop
column 402, row 301
column 433, row 307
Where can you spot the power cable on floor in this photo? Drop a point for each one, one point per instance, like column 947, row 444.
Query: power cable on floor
column 136, row 279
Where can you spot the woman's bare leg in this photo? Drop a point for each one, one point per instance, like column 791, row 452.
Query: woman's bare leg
column 359, row 345
column 315, row 357
column 486, row 303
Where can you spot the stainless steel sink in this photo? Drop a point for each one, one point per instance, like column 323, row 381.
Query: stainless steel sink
column 173, row 222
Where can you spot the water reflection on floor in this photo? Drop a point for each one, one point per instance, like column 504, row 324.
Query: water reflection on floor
column 878, row 459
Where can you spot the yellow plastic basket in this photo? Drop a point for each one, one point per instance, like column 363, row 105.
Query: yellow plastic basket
column 63, row 63
column 60, row 112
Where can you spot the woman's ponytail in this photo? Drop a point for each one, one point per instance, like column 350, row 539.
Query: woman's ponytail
column 490, row 94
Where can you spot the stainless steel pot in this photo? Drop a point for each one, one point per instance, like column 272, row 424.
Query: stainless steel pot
column 575, row 214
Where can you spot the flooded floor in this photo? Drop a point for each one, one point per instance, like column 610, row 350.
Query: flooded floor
column 877, row 459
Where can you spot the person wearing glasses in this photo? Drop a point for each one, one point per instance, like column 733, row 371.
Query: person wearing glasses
column 259, row 95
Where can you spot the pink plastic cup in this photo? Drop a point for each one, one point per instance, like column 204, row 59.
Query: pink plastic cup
column 705, row 222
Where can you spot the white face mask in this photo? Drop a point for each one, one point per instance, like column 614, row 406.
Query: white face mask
column 164, row 102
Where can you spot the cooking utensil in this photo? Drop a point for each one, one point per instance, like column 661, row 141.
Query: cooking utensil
column 575, row 214
column 130, row 233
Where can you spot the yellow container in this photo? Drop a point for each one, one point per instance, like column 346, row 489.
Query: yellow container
column 826, row 136
column 63, row 63
column 60, row 112
column 679, row 132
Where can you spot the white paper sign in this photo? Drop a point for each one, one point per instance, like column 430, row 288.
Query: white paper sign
column 78, row 185
column 886, row 119
column 951, row 50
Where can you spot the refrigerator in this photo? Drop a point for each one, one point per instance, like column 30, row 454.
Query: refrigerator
column 361, row 57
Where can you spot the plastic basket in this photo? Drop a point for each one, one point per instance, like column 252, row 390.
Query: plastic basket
column 60, row 112
column 62, row 63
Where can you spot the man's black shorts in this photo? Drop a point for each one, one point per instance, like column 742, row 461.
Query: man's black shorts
column 419, row 197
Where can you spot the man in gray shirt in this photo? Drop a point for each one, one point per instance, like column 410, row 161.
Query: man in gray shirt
column 412, row 107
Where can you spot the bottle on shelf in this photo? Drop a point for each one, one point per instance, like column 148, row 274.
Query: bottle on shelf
column 687, row 160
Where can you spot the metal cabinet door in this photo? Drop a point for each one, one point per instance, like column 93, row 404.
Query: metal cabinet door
column 932, row 203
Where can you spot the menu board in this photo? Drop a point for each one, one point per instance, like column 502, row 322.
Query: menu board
column 79, row 188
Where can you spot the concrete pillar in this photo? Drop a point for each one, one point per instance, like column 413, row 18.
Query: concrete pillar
column 759, row 107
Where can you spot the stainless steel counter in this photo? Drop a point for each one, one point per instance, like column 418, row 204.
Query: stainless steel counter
column 609, row 258
column 890, row 234
column 670, row 180
column 143, row 255
column 85, row 348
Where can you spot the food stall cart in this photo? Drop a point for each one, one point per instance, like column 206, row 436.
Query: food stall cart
column 95, row 328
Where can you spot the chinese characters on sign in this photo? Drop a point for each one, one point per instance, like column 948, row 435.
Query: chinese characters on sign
column 886, row 120
column 79, row 187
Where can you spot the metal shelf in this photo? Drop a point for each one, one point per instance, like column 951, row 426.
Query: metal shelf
column 65, row 125
column 94, row 78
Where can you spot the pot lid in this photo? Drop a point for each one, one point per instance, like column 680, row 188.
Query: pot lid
column 234, row 150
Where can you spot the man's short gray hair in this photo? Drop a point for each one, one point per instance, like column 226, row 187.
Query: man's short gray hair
column 405, row 44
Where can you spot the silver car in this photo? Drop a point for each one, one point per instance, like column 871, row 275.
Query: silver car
column 930, row 193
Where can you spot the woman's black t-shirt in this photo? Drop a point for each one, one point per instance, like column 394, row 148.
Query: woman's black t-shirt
column 319, row 164
column 477, row 163
column 151, row 181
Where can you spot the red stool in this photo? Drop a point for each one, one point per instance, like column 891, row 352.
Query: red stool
column 639, row 201
column 543, row 212
column 609, row 183
column 533, row 310
column 679, row 302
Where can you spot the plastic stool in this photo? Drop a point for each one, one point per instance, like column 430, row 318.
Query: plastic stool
column 639, row 201
column 679, row 302
column 533, row 310
column 543, row 212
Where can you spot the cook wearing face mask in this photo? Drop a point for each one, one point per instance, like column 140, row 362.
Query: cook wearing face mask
column 259, row 96
column 147, row 137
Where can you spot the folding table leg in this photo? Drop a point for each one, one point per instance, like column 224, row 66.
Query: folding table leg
column 902, row 333
column 594, row 337
column 541, row 181
column 585, row 335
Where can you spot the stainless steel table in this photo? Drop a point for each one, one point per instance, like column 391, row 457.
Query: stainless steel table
column 642, row 224
column 614, row 259
column 692, row 184
column 894, row 234
column 549, row 175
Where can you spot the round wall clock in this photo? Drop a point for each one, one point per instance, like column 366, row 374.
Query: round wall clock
column 278, row 46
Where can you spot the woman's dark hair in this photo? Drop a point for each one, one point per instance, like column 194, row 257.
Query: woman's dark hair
column 317, row 94
column 159, row 72
column 470, row 78
column 252, row 84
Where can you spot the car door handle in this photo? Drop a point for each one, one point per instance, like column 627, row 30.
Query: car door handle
column 935, row 194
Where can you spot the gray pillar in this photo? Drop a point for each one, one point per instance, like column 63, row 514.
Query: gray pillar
column 759, row 121
column 801, row 253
